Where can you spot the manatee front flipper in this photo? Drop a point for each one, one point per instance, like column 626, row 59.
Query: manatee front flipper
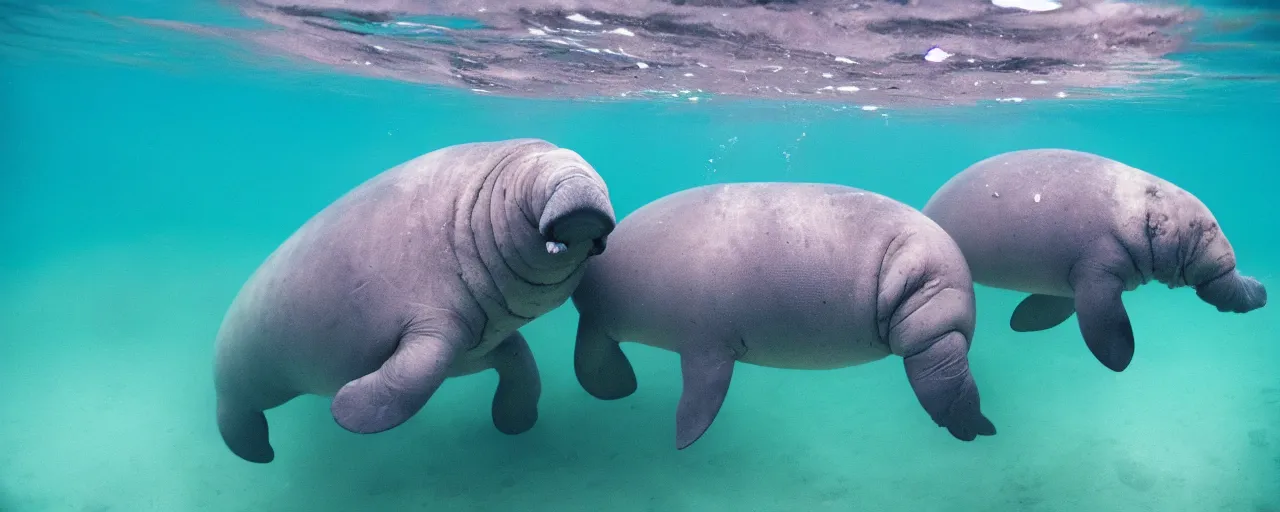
column 396, row 391
column 244, row 431
column 1104, row 323
column 941, row 379
column 1039, row 312
column 600, row 365
column 515, row 404
column 706, row 371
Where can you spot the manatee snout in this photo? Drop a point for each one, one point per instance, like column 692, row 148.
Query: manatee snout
column 578, row 211
column 1233, row 292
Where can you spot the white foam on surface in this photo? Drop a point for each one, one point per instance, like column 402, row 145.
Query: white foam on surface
column 578, row 18
column 937, row 54
column 834, row 31
column 1028, row 5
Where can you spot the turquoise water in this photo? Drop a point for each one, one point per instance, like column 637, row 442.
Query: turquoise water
column 138, row 197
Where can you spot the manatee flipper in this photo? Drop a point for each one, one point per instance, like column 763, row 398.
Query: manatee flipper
column 1039, row 312
column 1104, row 323
column 706, row 373
column 943, row 384
column 515, row 404
column 396, row 391
column 600, row 365
column 244, row 431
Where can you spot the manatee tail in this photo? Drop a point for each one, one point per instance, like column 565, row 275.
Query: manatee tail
column 244, row 430
column 945, row 387
column 1233, row 292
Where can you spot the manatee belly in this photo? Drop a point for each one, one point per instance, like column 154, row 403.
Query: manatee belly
column 798, row 351
column 811, row 320
column 798, row 345
column 1030, row 268
column 307, row 336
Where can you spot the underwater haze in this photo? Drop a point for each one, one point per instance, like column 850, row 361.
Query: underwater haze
column 154, row 153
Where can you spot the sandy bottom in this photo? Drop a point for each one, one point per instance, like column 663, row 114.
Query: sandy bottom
column 105, row 358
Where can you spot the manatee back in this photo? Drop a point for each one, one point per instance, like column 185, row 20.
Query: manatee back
column 395, row 227
column 1027, row 184
column 1023, row 218
column 746, row 253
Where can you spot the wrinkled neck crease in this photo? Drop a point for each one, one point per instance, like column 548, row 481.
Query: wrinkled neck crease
column 524, row 192
column 1174, row 237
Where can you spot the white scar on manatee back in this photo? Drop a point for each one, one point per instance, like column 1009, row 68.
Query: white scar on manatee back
column 793, row 211
column 1129, row 190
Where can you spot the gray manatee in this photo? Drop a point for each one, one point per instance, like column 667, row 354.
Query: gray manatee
column 783, row 275
column 423, row 272
column 1075, row 230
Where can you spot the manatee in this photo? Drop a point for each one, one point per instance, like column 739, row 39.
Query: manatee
column 1075, row 230
column 425, row 271
column 786, row 275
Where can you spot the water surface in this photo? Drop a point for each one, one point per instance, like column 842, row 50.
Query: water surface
column 148, row 171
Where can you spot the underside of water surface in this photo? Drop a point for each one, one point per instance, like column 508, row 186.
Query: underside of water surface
column 154, row 153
